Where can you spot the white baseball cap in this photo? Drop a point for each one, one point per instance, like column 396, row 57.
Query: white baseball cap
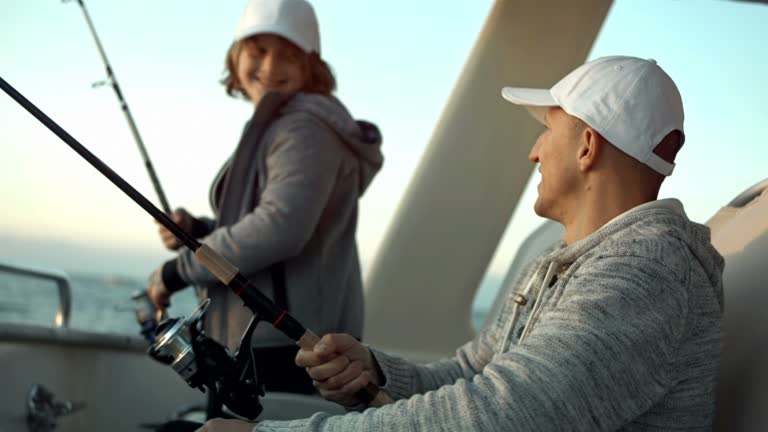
column 631, row 102
column 294, row 20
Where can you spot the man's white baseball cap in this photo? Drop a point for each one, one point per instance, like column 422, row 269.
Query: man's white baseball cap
column 631, row 102
column 294, row 20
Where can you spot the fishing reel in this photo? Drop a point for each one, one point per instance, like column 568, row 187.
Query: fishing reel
column 206, row 364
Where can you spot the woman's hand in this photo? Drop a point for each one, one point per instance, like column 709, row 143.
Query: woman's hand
column 222, row 425
column 339, row 366
column 157, row 292
column 182, row 219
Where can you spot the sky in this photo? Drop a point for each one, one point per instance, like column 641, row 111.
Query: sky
column 396, row 63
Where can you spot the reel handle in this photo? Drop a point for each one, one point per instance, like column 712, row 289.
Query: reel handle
column 161, row 315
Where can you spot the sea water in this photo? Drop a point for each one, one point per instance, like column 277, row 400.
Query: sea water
column 101, row 303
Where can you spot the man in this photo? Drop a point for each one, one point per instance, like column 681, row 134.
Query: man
column 617, row 328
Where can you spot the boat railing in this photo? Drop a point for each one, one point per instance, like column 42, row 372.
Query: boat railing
column 62, row 282
column 749, row 195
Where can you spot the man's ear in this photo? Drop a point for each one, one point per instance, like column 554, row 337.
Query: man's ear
column 590, row 149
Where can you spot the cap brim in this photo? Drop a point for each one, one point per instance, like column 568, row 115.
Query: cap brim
column 536, row 101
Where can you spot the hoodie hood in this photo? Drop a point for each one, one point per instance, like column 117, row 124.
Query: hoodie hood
column 362, row 138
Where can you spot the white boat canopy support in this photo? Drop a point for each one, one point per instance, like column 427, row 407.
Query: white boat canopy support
column 470, row 178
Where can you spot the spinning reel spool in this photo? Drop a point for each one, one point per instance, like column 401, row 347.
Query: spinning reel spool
column 206, row 364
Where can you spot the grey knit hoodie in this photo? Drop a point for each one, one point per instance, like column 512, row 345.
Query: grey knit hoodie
column 312, row 165
column 621, row 331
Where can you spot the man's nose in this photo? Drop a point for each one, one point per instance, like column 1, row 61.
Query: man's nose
column 533, row 156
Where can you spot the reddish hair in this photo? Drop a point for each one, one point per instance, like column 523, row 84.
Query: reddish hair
column 318, row 75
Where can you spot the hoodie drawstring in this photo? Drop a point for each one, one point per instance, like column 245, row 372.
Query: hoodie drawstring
column 537, row 306
column 521, row 299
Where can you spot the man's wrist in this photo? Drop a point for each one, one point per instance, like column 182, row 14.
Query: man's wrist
column 378, row 374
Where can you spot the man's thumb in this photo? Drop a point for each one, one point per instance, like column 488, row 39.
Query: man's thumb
column 335, row 343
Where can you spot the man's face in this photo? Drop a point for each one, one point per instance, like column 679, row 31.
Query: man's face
column 556, row 151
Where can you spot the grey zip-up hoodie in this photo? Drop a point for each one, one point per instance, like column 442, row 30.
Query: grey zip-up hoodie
column 621, row 331
column 312, row 164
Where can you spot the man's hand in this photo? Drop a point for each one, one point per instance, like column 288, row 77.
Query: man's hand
column 339, row 366
column 157, row 292
column 221, row 425
column 182, row 219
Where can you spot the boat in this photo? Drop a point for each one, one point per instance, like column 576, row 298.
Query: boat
column 430, row 261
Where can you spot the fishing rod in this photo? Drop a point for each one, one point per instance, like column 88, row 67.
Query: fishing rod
column 219, row 266
column 111, row 79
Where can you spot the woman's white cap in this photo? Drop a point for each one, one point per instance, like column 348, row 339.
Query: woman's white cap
column 294, row 20
column 631, row 102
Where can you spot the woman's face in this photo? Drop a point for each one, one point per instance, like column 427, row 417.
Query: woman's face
column 269, row 62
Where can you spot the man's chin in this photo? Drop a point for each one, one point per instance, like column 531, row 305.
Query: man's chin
column 541, row 209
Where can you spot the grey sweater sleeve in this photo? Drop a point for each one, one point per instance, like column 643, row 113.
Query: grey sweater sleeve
column 404, row 379
column 592, row 362
column 302, row 163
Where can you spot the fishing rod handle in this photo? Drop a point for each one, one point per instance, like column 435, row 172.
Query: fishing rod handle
column 371, row 394
column 226, row 272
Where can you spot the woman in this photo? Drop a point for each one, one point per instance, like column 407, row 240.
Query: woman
column 286, row 202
